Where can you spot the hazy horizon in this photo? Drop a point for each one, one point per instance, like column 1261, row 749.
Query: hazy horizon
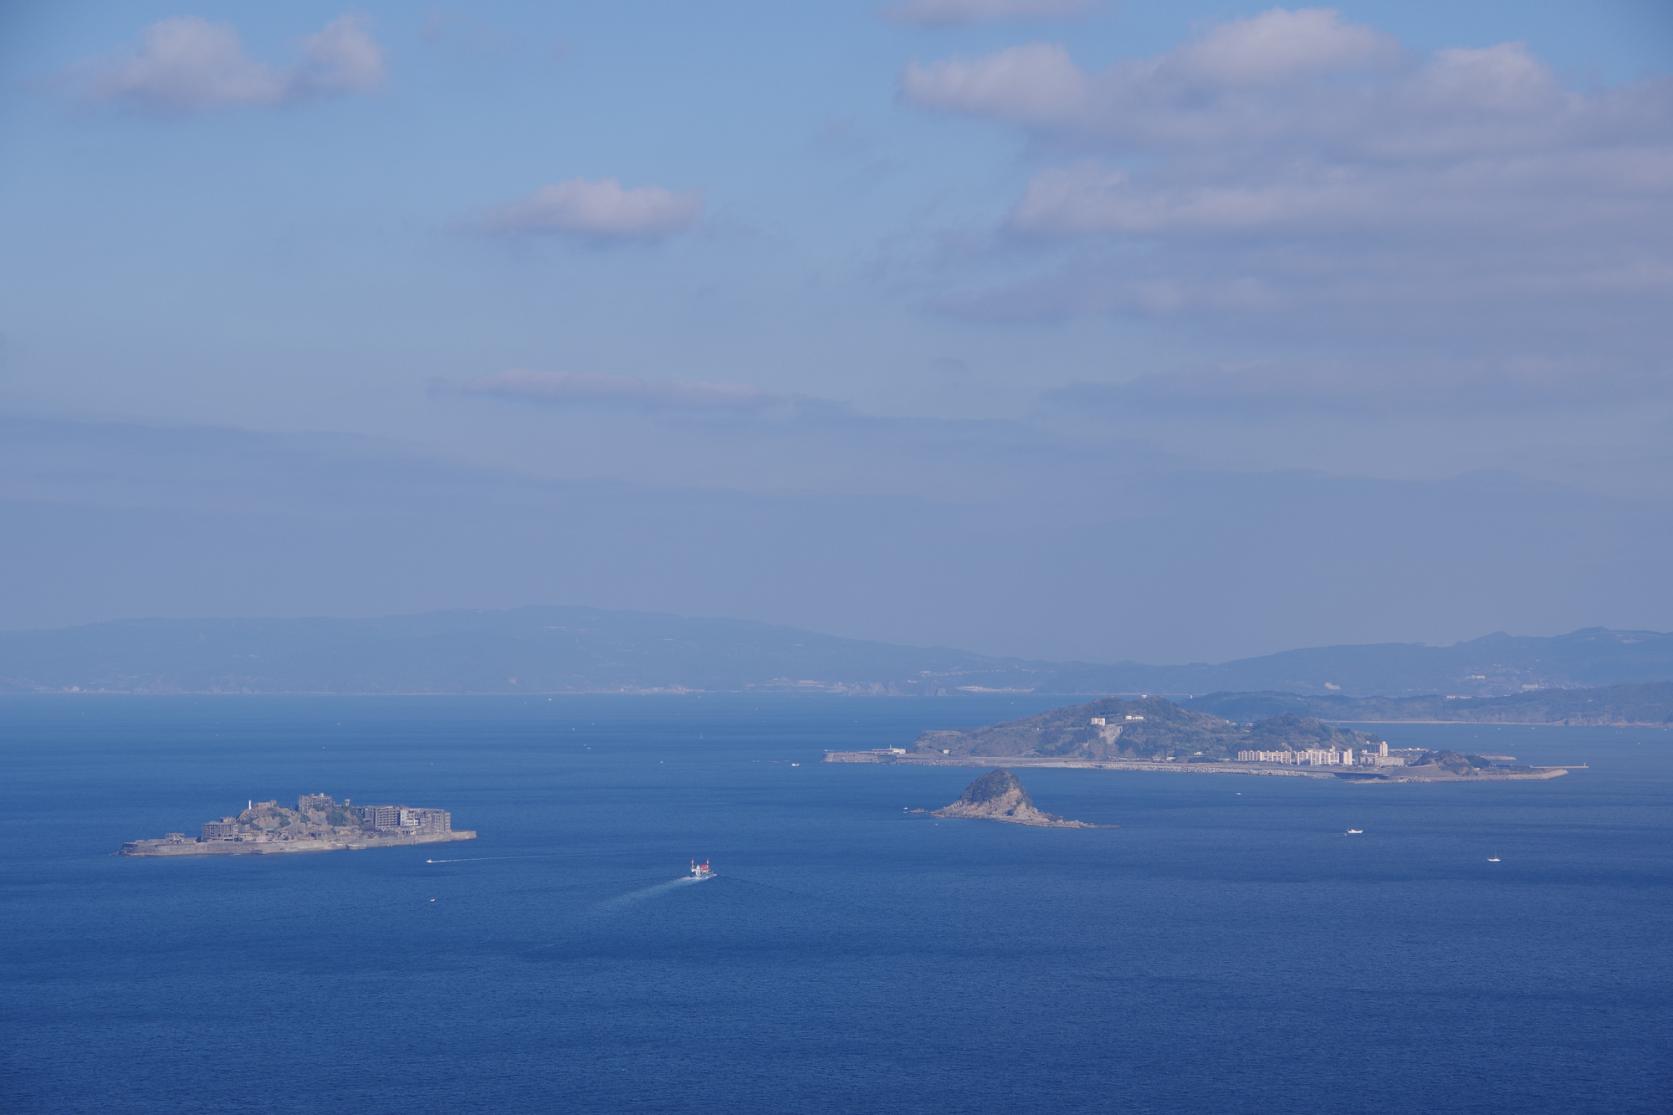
column 1154, row 408
column 1064, row 330
column 349, row 617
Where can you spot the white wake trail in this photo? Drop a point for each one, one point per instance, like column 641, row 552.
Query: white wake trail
column 486, row 859
column 644, row 894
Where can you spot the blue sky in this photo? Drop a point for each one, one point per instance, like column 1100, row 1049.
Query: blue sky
column 949, row 321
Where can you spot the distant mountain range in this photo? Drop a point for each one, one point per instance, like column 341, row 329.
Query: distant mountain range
column 571, row 650
column 1650, row 703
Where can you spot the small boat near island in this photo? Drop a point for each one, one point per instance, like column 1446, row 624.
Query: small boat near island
column 700, row 871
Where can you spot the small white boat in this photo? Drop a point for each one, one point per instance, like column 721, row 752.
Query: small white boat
column 795, row 764
column 1354, row 832
column 1493, row 859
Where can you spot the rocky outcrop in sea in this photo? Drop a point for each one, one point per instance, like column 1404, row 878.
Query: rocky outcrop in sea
column 998, row 796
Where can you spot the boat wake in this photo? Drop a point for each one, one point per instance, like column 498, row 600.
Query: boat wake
column 644, row 894
column 529, row 855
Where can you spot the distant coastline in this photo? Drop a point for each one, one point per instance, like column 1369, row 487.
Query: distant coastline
column 553, row 650
column 45, row 694
column 1325, row 714
column 1636, row 705
column 1519, row 723
column 1391, row 775
column 1155, row 735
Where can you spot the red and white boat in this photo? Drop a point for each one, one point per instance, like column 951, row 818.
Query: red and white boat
column 701, row 871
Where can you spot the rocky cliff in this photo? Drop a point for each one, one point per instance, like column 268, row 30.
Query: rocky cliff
column 998, row 796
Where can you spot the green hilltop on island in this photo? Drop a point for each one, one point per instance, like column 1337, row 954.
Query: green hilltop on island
column 319, row 823
column 1150, row 733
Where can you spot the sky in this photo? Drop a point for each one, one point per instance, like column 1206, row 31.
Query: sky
column 1063, row 328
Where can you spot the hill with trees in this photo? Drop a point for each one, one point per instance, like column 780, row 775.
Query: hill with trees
column 1648, row 704
column 1147, row 728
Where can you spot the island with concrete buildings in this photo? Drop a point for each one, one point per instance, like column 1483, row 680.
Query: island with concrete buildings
column 319, row 823
column 1153, row 734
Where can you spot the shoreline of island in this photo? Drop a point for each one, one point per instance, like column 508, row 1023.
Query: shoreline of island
column 162, row 847
column 998, row 796
column 888, row 757
column 319, row 823
column 1156, row 735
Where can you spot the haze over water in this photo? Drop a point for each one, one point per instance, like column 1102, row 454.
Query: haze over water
column 1225, row 949
column 906, row 346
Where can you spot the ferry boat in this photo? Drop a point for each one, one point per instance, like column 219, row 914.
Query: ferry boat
column 701, row 871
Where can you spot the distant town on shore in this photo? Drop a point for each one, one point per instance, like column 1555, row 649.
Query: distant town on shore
column 1152, row 733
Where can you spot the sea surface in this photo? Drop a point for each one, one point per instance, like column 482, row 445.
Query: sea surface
column 1226, row 949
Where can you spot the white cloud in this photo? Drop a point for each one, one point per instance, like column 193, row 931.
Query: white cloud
column 590, row 389
column 600, row 210
column 948, row 13
column 1282, row 44
column 1295, row 179
column 341, row 58
column 738, row 407
column 1296, row 79
column 1035, row 84
column 1503, row 78
column 1093, row 198
column 185, row 63
column 1450, row 385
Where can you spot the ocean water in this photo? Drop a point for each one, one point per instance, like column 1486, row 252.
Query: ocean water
column 1226, row 949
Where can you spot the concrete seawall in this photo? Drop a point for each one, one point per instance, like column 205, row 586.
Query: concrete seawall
column 283, row 847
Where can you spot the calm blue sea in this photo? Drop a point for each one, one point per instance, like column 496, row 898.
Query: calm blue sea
column 1225, row 950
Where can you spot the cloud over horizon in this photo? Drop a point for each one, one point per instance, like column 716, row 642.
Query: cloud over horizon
column 1032, row 262
column 186, row 64
column 591, row 389
column 1294, row 179
column 952, row 13
column 601, row 210
column 1458, row 386
column 134, row 520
